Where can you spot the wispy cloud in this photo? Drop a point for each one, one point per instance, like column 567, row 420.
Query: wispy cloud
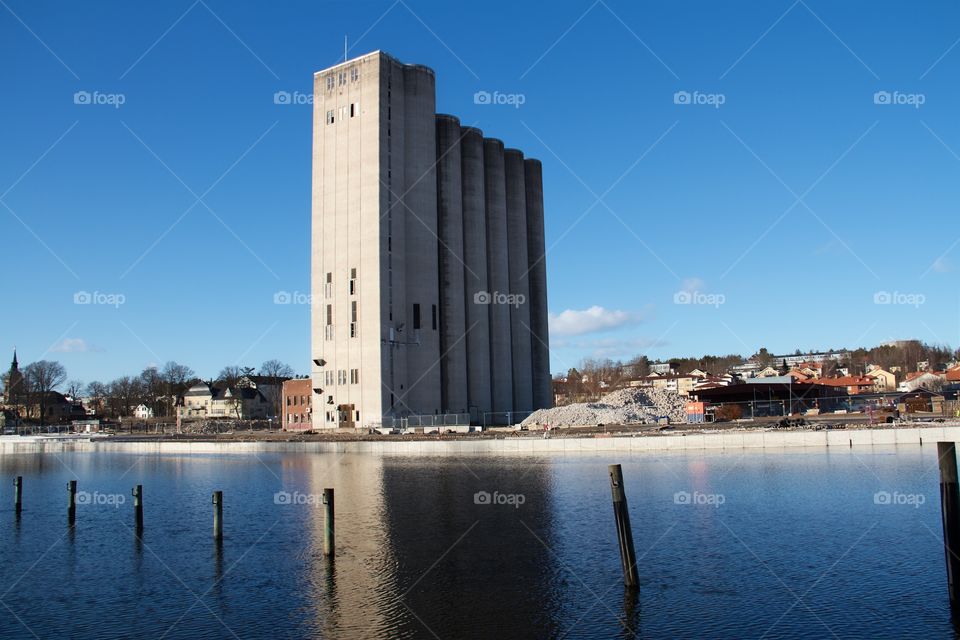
column 573, row 322
column 74, row 345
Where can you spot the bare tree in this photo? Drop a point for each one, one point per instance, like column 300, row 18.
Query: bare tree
column 229, row 375
column 277, row 372
column 97, row 392
column 42, row 378
column 75, row 389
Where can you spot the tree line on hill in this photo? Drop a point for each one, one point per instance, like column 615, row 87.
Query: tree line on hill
column 156, row 388
column 591, row 376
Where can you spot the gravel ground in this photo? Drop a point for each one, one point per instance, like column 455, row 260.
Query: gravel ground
column 626, row 406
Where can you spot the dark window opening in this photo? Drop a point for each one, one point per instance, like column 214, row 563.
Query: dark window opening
column 416, row 316
column 433, row 314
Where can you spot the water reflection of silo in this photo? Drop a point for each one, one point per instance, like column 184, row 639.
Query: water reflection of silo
column 471, row 559
column 349, row 596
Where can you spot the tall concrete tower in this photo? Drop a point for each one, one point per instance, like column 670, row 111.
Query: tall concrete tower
column 421, row 243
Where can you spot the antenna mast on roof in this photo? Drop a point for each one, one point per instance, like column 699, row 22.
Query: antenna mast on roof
column 344, row 48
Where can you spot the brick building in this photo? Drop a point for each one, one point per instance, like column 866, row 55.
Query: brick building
column 296, row 404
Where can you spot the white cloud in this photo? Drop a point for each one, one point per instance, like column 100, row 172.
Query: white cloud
column 573, row 322
column 73, row 345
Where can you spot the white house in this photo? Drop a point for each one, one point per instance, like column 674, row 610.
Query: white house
column 142, row 412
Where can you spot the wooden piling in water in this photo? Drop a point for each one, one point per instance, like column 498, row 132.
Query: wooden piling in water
column 628, row 557
column 18, row 495
column 328, row 523
column 950, row 512
column 218, row 515
column 138, row 507
column 71, row 502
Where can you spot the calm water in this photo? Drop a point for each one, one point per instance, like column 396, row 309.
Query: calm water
column 773, row 545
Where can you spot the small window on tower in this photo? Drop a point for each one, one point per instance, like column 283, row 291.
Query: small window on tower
column 330, row 117
column 353, row 109
column 416, row 316
column 433, row 316
column 329, row 82
column 354, row 74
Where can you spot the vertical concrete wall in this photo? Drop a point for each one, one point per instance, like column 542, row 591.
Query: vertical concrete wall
column 475, row 272
column 501, row 367
column 536, row 255
column 345, row 237
column 422, row 393
column 392, row 229
column 453, row 345
column 520, row 329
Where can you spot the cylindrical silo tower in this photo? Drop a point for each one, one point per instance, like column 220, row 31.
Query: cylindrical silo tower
column 519, row 299
column 501, row 367
column 421, row 335
column 476, row 286
column 453, row 346
column 536, row 255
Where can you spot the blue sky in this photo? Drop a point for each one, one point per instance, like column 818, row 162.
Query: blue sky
column 734, row 156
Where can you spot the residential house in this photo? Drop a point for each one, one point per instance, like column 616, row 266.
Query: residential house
column 297, row 401
column 142, row 412
column 270, row 386
column 767, row 372
column 926, row 379
column 206, row 400
column 852, row 384
column 883, row 380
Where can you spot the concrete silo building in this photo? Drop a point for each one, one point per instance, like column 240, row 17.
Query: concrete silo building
column 428, row 274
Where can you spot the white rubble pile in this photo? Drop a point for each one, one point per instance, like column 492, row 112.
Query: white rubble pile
column 626, row 406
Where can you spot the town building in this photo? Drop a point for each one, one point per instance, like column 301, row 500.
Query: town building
column 428, row 274
column 142, row 412
column 297, row 402
column 206, row 400
column 883, row 380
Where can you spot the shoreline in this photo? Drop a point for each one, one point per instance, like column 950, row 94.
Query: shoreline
column 622, row 442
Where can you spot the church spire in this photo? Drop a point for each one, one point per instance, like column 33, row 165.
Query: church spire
column 14, row 364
